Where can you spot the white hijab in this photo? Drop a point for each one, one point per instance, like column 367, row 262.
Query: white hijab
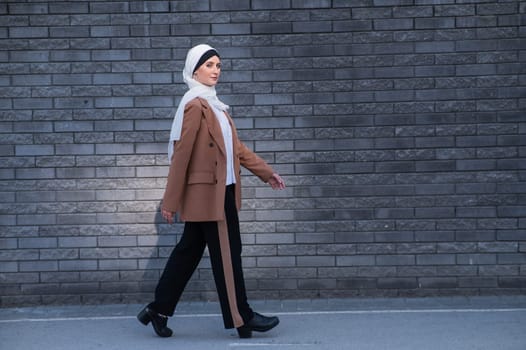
column 196, row 89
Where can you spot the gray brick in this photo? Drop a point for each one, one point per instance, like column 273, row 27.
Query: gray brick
column 393, row 24
column 115, row 195
column 112, row 78
column 71, row 79
column 114, row 102
column 311, row 27
column 96, row 276
column 114, row 241
column 311, row 4
column 35, row 103
column 435, row 23
column 99, row 253
column 152, row 78
column 316, row 261
column 358, row 260
column 73, row 126
column 111, row 55
column 152, row 171
column 511, row 258
column 438, row 282
column 231, row 29
column 93, row 137
column 493, row 9
column 190, row 29
column 435, row 259
column 7, row 174
column 74, row 149
column 413, row 11
column 114, row 125
column 275, row 261
column 154, row 101
column 149, row 6
column 477, row 259
column 30, row 56
column 73, row 103
column 76, row 219
column 512, row 282
column 478, row 69
column 29, row 80
column 34, row 173
column 34, row 8
column 70, row 55
column 383, row 12
column 69, row 32
column 397, row 283
column 29, row 266
column 58, row 254
column 511, row 211
column 77, row 242
column 19, row 255
column 8, row 220
column 477, row 282
column 27, row 32
column 78, row 265
column 394, row 260
column 9, row 267
column 225, row 5
column 8, row 243
column 115, row 172
column 117, row 7
column 153, row 124
column 68, row 7
column 114, row 148
column 37, row 243
column 53, row 277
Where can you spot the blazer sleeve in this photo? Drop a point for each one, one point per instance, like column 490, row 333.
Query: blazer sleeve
column 177, row 174
column 254, row 163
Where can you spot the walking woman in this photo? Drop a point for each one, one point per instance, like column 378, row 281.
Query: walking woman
column 204, row 188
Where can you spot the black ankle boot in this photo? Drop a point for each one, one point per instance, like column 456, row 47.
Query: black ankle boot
column 258, row 323
column 158, row 321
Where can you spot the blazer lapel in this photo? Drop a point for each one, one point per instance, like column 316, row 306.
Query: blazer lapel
column 213, row 126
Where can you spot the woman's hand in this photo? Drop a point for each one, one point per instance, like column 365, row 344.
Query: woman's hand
column 167, row 215
column 276, row 182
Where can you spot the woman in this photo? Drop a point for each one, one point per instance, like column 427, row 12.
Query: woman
column 203, row 186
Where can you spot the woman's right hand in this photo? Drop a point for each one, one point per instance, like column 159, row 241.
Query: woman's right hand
column 276, row 182
column 167, row 215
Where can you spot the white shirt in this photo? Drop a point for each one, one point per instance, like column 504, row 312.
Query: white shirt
column 226, row 129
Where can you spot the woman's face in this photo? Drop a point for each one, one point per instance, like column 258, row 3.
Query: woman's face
column 208, row 73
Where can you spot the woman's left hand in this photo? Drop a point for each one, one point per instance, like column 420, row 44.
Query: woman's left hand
column 167, row 215
column 276, row 182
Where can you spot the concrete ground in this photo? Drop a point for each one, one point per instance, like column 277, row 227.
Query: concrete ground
column 492, row 323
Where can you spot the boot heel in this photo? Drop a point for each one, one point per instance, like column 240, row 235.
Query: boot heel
column 244, row 332
column 143, row 317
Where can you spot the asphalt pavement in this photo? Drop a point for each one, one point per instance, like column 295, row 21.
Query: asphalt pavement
column 482, row 323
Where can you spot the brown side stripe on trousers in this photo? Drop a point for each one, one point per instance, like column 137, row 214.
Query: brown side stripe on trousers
column 226, row 258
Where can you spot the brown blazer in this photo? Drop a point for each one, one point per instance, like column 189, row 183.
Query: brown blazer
column 196, row 180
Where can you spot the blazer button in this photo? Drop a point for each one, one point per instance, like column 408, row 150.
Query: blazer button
column 211, row 144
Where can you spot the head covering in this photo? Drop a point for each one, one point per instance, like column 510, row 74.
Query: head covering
column 205, row 57
column 196, row 89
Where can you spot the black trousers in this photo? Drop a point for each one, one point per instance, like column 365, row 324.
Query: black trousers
column 224, row 246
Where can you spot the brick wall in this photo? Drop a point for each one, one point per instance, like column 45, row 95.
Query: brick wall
column 399, row 126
